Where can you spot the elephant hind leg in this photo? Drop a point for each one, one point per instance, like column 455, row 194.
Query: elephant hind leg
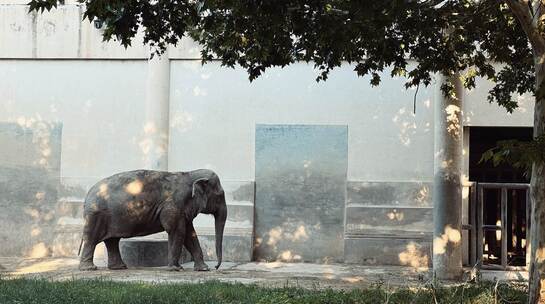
column 114, row 256
column 93, row 232
column 86, row 260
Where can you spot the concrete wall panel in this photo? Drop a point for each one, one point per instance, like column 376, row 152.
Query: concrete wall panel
column 300, row 192
column 62, row 33
column 16, row 32
column 29, row 183
column 57, row 34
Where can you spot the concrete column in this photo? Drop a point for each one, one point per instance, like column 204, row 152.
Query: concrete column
column 447, row 187
column 156, row 127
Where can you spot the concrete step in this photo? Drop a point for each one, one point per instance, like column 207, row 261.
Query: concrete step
column 70, row 207
column 387, row 250
column 68, row 227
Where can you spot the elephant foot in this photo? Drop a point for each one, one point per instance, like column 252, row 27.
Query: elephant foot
column 117, row 266
column 201, row 267
column 87, row 266
column 174, row 268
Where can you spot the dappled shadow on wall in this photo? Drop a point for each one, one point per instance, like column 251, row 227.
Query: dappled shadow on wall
column 29, row 183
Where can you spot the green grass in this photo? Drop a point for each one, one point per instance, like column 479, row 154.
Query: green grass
column 102, row 291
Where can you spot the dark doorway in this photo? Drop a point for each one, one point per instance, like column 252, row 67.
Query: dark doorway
column 483, row 138
column 503, row 223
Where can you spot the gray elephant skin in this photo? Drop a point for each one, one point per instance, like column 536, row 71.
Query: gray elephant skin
column 143, row 202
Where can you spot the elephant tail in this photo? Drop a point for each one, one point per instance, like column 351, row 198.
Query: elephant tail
column 80, row 244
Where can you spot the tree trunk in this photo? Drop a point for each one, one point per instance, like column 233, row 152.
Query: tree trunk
column 537, row 233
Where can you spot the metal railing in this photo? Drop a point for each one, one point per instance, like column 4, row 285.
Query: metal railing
column 476, row 227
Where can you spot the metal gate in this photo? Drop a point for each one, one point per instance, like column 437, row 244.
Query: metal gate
column 477, row 228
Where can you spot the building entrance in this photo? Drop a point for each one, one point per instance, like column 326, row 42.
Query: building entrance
column 499, row 204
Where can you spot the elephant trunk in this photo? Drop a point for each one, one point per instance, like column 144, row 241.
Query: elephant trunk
column 220, row 218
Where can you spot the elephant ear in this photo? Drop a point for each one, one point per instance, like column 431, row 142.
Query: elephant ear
column 199, row 187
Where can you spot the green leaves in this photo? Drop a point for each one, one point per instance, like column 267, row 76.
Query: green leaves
column 519, row 154
column 42, row 5
column 374, row 36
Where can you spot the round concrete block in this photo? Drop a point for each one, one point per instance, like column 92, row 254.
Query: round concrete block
column 144, row 253
column 138, row 252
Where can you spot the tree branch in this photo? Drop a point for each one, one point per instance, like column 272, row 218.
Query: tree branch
column 521, row 10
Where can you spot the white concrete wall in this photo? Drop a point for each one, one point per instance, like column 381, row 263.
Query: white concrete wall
column 99, row 103
column 214, row 111
column 478, row 112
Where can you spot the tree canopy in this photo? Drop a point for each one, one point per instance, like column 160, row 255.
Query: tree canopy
column 479, row 38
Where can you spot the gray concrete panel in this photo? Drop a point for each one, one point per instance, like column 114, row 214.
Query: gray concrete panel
column 29, row 182
column 27, row 206
column 388, row 251
column 300, row 192
column 413, row 194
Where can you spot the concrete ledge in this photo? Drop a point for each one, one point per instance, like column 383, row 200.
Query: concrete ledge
column 504, row 275
column 66, row 243
column 416, row 194
column 236, row 248
column 239, row 218
column 378, row 220
column 70, row 208
column 388, row 251
column 239, row 192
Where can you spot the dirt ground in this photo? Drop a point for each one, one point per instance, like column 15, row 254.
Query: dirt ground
column 275, row 274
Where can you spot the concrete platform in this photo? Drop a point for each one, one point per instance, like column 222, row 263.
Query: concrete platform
column 140, row 252
column 276, row 274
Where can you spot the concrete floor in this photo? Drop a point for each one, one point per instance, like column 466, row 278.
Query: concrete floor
column 275, row 274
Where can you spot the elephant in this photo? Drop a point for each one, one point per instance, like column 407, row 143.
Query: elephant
column 143, row 202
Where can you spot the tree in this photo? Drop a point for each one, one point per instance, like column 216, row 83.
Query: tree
column 448, row 37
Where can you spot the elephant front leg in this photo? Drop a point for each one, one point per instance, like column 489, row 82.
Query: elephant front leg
column 193, row 246
column 175, row 243
column 114, row 257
